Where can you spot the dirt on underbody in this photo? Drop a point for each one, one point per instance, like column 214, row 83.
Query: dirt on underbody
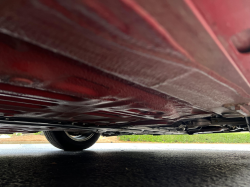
column 31, row 138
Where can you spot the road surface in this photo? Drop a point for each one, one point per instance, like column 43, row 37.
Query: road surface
column 107, row 164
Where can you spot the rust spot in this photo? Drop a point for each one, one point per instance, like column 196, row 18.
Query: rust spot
column 20, row 80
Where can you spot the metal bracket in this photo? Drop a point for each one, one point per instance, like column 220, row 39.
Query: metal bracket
column 247, row 121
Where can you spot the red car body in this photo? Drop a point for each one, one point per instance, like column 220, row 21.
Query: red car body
column 124, row 67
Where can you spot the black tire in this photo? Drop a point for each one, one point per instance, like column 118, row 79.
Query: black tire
column 61, row 140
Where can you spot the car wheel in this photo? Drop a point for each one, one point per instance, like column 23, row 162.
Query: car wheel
column 71, row 141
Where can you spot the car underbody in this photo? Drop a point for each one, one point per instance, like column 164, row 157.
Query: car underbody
column 124, row 67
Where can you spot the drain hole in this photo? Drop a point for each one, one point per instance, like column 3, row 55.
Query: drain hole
column 241, row 41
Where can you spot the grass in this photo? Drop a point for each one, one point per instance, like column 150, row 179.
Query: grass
column 197, row 138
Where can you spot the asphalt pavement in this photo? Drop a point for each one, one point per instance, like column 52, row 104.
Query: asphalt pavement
column 107, row 164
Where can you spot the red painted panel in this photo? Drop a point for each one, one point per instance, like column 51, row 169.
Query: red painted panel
column 223, row 21
column 116, row 61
